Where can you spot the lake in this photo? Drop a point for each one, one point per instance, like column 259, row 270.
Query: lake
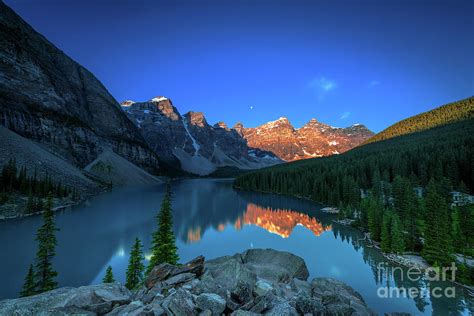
column 212, row 219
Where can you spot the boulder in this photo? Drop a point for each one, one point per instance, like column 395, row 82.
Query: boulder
column 179, row 302
column 242, row 293
column 212, row 302
column 99, row 299
column 126, row 309
column 165, row 270
column 262, row 288
column 338, row 298
column 279, row 266
column 282, row 309
column 229, row 270
column 308, row 305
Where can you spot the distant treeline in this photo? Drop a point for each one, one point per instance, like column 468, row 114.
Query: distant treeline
column 16, row 180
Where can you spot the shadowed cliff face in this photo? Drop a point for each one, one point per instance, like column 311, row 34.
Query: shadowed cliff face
column 48, row 97
column 314, row 139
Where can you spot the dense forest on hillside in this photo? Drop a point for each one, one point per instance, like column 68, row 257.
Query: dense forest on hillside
column 374, row 185
column 443, row 152
column 14, row 180
column 442, row 115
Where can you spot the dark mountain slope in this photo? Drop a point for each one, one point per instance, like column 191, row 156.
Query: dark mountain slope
column 48, row 97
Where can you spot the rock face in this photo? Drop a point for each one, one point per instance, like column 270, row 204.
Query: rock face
column 188, row 139
column 49, row 98
column 255, row 282
column 314, row 139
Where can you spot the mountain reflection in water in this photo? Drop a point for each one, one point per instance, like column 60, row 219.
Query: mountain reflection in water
column 277, row 221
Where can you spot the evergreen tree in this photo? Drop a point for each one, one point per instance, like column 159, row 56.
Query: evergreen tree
column 163, row 247
column 397, row 244
column 45, row 274
column 386, row 240
column 29, row 287
column 375, row 217
column 436, row 249
column 135, row 266
column 109, row 276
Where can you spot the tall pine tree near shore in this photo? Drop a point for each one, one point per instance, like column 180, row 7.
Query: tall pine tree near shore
column 46, row 237
column 436, row 249
column 386, row 238
column 163, row 247
column 397, row 243
column 135, row 266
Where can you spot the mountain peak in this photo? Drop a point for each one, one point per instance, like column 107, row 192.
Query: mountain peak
column 127, row 103
column 196, row 118
column 221, row 125
column 158, row 99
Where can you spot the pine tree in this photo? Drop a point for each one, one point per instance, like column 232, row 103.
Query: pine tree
column 386, row 239
column 436, row 249
column 45, row 274
column 29, row 287
column 374, row 216
column 135, row 266
column 397, row 244
column 109, row 276
column 163, row 243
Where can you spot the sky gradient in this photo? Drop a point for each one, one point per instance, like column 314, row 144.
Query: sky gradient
column 346, row 62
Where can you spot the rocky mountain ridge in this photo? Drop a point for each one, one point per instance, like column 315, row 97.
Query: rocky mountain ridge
column 255, row 282
column 189, row 140
column 47, row 97
column 314, row 139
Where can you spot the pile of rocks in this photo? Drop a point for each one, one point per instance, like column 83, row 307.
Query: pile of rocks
column 257, row 281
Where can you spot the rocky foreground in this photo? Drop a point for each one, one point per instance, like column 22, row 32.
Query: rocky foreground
column 254, row 282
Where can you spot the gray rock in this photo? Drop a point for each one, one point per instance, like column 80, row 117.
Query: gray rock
column 229, row 270
column 242, row 293
column 126, row 309
column 69, row 311
column 282, row 309
column 179, row 303
column 262, row 288
column 179, row 279
column 212, row 302
column 338, row 297
column 99, row 299
column 308, row 305
column 279, row 266
column 243, row 313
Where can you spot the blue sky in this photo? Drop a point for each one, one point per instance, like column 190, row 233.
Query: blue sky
column 341, row 62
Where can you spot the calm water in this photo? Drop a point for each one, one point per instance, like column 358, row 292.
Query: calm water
column 212, row 219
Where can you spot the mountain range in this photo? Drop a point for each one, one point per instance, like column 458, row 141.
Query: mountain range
column 201, row 148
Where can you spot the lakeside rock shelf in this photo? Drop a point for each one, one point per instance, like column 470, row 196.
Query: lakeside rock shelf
column 257, row 281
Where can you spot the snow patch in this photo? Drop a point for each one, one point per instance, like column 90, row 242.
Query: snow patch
column 158, row 99
column 332, row 143
column 195, row 143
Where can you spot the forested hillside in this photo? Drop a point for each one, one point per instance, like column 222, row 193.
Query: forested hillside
column 374, row 186
column 445, row 114
column 442, row 152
